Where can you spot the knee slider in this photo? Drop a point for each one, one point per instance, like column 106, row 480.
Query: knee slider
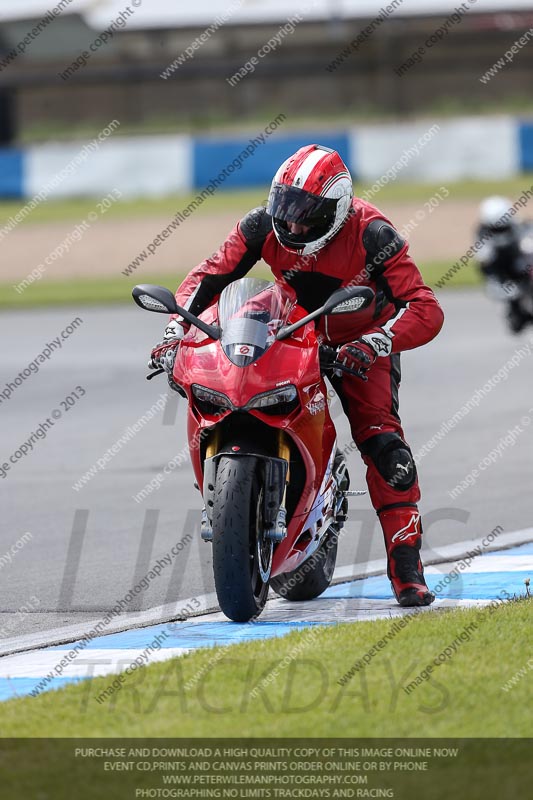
column 393, row 460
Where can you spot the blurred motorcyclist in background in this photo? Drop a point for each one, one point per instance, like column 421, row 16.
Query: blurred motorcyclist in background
column 503, row 260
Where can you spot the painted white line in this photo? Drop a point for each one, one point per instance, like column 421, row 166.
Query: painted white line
column 125, row 622
column 166, row 613
column 495, row 563
column 92, row 663
column 448, row 552
column 354, row 609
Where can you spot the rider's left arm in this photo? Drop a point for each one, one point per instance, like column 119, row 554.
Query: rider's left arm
column 419, row 316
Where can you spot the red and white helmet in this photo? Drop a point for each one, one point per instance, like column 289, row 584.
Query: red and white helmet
column 312, row 188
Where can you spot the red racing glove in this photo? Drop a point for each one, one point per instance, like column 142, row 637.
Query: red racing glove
column 361, row 354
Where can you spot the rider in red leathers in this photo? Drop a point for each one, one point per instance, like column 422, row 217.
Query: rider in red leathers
column 316, row 237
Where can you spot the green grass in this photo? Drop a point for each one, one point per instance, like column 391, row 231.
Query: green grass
column 240, row 201
column 77, row 208
column 208, row 122
column 99, row 291
column 403, row 192
column 80, row 291
column 88, row 291
column 463, row 698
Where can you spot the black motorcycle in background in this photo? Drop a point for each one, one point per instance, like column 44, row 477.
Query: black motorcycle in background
column 505, row 259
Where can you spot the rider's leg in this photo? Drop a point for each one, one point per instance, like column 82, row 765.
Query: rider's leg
column 372, row 408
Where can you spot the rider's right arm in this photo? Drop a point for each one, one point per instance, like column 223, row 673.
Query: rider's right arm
column 235, row 258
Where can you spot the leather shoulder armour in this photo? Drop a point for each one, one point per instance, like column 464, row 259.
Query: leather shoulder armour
column 255, row 227
column 381, row 242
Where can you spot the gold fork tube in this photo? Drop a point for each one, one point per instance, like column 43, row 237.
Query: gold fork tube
column 284, row 450
column 213, row 445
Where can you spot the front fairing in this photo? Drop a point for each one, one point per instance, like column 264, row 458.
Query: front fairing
column 293, row 361
column 248, row 360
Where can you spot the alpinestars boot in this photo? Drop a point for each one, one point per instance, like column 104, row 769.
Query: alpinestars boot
column 402, row 529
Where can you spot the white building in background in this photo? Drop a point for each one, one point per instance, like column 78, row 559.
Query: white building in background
column 176, row 14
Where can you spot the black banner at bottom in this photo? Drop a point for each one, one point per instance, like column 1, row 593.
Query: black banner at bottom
column 433, row 769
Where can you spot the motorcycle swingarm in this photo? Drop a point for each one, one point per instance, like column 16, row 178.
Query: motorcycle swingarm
column 275, row 477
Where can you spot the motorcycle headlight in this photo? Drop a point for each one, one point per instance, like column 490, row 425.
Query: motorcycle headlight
column 278, row 401
column 209, row 401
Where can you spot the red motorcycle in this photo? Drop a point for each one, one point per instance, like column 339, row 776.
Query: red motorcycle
column 262, row 442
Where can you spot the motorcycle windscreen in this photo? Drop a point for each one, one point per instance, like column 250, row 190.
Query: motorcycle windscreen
column 250, row 312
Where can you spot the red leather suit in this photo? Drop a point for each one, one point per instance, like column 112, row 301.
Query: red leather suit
column 366, row 251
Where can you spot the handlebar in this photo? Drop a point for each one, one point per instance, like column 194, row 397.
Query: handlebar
column 329, row 363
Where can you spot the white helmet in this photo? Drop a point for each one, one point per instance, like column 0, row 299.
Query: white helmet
column 312, row 188
column 494, row 213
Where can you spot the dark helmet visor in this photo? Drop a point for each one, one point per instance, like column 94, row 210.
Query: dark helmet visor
column 290, row 204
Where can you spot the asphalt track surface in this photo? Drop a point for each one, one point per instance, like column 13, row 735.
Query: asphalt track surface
column 88, row 548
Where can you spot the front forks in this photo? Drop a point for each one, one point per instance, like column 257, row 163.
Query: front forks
column 275, row 481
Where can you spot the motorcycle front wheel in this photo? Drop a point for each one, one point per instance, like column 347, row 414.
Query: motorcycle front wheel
column 242, row 556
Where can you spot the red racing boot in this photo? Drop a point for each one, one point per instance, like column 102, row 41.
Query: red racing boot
column 402, row 529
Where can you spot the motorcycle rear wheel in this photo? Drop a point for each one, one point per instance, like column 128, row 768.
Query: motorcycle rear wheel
column 313, row 576
column 242, row 556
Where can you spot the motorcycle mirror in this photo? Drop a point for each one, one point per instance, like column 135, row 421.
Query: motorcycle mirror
column 354, row 297
column 161, row 300
column 155, row 298
column 359, row 296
